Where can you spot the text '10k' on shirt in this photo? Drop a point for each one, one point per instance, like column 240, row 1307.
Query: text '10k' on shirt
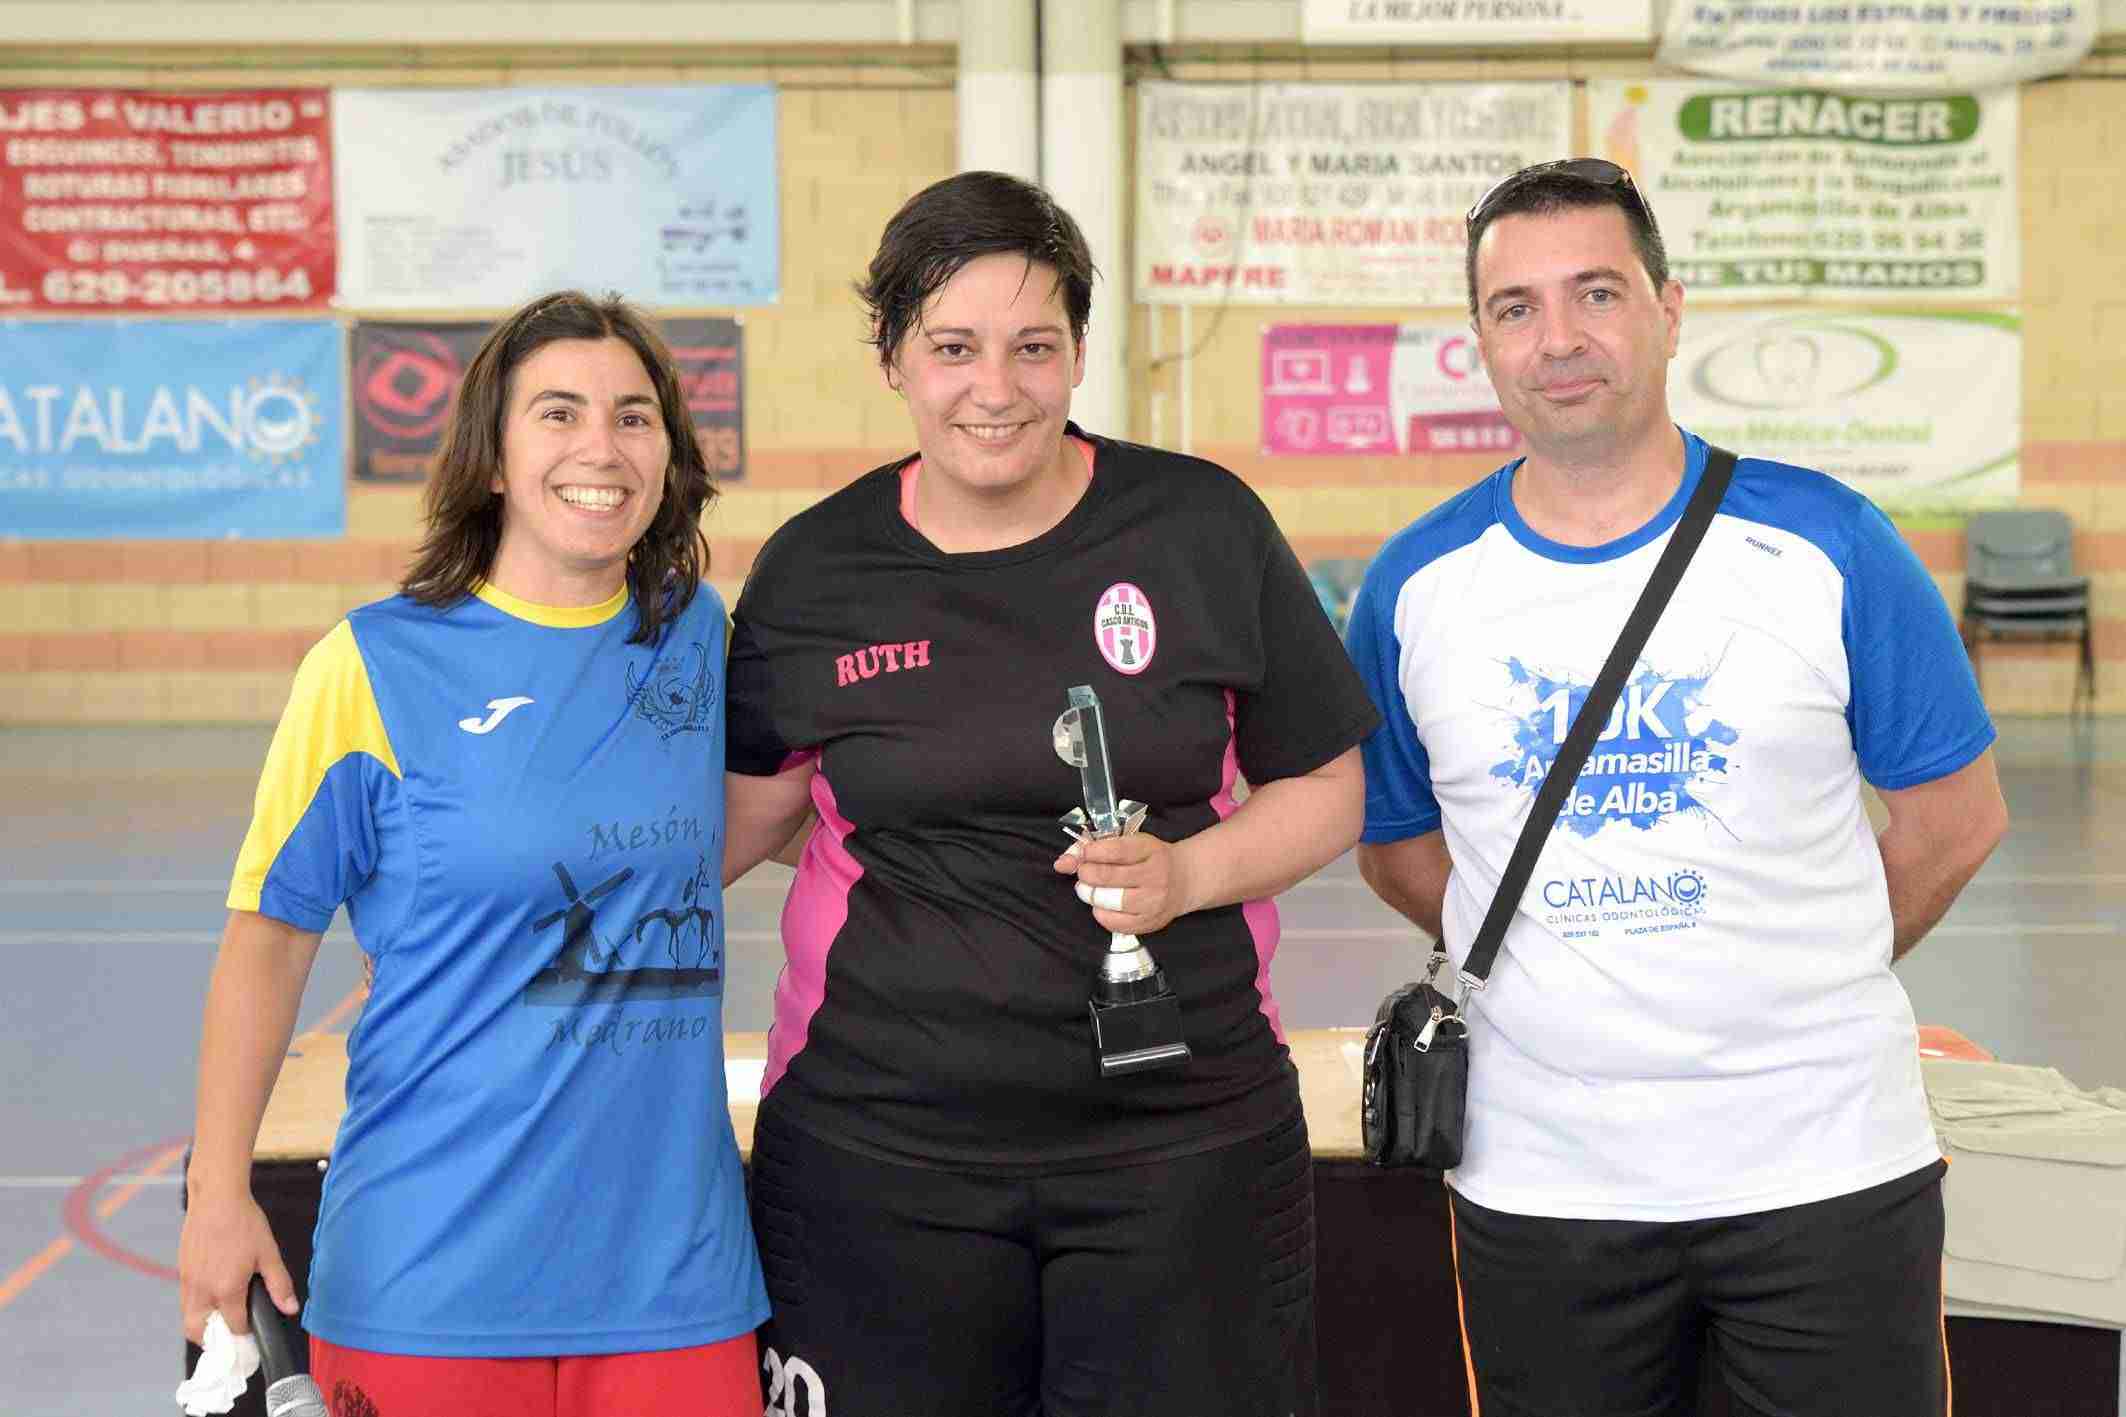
column 933, row 1007
column 1693, row 1013
column 523, row 815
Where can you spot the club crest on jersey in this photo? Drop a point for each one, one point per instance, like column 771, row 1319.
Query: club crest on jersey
column 677, row 692
column 1125, row 628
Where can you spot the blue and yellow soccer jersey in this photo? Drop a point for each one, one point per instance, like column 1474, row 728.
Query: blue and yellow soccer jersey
column 523, row 815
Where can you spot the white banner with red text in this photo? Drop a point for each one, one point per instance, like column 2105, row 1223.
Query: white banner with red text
column 198, row 202
column 1325, row 194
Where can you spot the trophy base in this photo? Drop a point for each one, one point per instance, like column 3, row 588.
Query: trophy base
column 1134, row 1035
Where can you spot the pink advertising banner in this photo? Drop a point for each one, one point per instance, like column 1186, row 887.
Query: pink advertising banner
column 1378, row 390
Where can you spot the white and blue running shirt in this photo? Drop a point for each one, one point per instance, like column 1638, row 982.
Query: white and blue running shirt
column 1693, row 1014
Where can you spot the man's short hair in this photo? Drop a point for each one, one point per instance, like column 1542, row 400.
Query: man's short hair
column 1558, row 186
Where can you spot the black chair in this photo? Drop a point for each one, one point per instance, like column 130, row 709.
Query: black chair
column 2019, row 583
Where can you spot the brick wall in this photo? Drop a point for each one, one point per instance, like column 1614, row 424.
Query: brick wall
column 193, row 631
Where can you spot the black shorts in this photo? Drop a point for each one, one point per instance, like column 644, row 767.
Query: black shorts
column 1820, row 1310
column 1182, row 1288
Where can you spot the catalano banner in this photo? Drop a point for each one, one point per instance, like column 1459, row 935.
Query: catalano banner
column 122, row 199
column 1378, row 389
column 1879, row 45
column 1922, row 412
column 1325, row 194
column 1456, row 22
column 1768, row 193
column 483, row 198
column 171, row 429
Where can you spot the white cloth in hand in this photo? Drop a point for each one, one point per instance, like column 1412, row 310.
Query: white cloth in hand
column 226, row 1363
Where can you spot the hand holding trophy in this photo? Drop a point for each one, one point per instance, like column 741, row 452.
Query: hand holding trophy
column 1136, row 1019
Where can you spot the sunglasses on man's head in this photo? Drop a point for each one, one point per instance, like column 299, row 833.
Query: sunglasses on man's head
column 1594, row 171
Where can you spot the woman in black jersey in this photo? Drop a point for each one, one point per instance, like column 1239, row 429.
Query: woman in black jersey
column 957, row 1212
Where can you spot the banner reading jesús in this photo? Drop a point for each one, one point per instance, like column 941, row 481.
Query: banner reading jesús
column 1879, row 45
column 487, row 197
column 121, row 199
column 1378, row 389
column 1765, row 193
column 1325, row 194
column 1500, row 22
column 404, row 377
column 1922, row 412
column 169, row 429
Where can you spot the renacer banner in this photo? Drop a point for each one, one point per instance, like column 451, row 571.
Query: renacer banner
column 171, row 429
column 124, row 199
column 1378, row 389
column 484, row 198
column 1922, row 412
column 1879, row 45
column 1325, row 194
column 405, row 376
column 1456, row 22
column 1765, row 193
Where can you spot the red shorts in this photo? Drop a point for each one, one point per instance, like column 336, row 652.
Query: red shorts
column 714, row 1380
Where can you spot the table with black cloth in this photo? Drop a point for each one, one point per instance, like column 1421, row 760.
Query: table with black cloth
column 1387, row 1334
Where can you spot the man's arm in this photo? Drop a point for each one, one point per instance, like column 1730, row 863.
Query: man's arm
column 1939, row 834
column 1410, row 875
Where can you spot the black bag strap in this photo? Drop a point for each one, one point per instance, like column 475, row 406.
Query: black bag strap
column 1593, row 714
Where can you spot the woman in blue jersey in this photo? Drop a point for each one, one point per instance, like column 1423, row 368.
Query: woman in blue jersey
column 511, row 775
column 958, row 1213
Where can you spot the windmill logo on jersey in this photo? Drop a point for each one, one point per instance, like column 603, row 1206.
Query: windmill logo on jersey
column 586, row 968
column 1124, row 628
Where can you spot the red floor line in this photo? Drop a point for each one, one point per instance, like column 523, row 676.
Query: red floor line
column 83, row 1223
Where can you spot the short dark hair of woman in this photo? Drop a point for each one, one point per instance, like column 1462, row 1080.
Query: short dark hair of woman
column 1543, row 189
column 464, row 513
column 961, row 219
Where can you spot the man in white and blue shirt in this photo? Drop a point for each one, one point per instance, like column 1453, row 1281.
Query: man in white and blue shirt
column 1695, row 1114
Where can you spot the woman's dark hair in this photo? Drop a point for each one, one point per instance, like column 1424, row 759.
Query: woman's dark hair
column 464, row 514
column 949, row 223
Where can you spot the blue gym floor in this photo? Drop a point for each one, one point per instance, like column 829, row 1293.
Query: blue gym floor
column 115, row 847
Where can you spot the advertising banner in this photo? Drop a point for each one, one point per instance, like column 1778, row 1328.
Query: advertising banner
column 1766, row 193
column 1922, row 412
column 1325, row 194
column 171, row 429
column 124, row 199
column 1879, row 46
column 1378, row 389
column 1493, row 22
column 404, row 377
column 472, row 198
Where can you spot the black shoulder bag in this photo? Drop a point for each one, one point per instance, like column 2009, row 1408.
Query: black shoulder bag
column 1416, row 1087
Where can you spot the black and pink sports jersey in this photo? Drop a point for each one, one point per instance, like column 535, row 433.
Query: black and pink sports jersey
column 934, row 1002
